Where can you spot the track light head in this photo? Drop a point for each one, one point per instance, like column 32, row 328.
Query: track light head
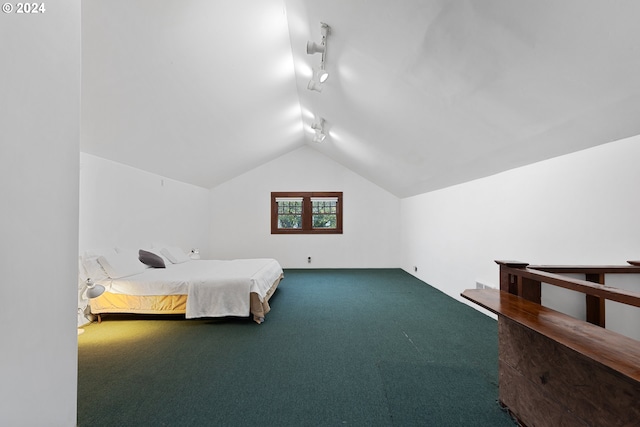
column 318, row 126
column 323, row 75
column 319, row 76
column 313, row 47
column 319, row 129
column 314, row 85
column 320, row 137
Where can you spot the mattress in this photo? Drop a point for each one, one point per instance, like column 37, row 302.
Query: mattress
column 198, row 288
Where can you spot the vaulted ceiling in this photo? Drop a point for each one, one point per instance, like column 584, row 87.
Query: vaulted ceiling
column 422, row 94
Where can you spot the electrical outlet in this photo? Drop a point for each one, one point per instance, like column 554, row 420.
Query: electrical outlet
column 415, row 268
column 309, row 259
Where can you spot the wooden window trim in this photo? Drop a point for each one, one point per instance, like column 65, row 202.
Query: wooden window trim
column 306, row 212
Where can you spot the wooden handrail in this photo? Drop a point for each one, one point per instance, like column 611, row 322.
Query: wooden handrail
column 555, row 369
column 519, row 278
column 589, row 269
column 609, row 348
column 586, row 287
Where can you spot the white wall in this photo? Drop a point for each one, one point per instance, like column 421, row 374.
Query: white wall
column 241, row 216
column 39, row 136
column 131, row 208
column 582, row 208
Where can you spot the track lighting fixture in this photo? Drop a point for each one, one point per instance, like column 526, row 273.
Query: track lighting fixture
column 321, row 75
column 313, row 47
column 319, row 129
column 314, row 85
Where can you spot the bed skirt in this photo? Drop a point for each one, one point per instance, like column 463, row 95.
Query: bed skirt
column 167, row 304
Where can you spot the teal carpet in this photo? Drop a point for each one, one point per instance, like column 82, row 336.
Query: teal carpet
column 340, row 347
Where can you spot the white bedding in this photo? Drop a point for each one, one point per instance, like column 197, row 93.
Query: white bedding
column 214, row 288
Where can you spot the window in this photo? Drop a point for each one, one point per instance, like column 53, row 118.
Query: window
column 306, row 213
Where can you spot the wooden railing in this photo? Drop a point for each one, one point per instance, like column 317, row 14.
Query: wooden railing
column 555, row 369
column 524, row 280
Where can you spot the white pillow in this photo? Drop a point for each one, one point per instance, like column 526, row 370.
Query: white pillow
column 156, row 248
column 92, row 270
column 90, row 267
column 121, row 265
column 174, row 254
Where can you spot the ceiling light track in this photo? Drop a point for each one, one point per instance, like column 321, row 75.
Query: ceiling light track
column 320, row 75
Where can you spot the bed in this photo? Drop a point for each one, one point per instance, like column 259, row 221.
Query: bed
column 167, row 281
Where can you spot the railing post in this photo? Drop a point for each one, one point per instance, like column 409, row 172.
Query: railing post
column 530, row 289
column 508, row 281
column 515, row 284
column 595, row 305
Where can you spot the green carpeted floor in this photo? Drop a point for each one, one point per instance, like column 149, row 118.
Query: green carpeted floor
column 340, row 347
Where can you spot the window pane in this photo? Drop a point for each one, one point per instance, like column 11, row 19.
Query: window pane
column 324, row 221
column 324, row 212
column 289, row 213
column 289, row 221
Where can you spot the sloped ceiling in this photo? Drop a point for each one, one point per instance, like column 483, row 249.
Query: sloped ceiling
column 422, row 94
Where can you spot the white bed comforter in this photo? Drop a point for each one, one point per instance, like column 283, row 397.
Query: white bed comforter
column 214, row 288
